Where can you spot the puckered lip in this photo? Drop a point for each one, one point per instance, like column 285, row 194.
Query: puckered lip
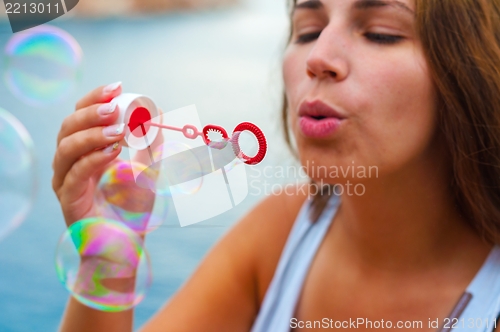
column 318, row 110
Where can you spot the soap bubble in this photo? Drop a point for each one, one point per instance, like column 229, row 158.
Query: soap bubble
column 43, row 65
column 103, row 264
column 181, row 169
column 124, row 194
column 233, row 164
column 17, row 173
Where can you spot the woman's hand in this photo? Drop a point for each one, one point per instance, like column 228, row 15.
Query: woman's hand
column 86, row 144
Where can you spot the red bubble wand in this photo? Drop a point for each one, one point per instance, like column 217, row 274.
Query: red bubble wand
column 141, row 118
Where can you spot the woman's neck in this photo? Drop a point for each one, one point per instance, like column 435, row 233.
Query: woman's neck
column 406, row 221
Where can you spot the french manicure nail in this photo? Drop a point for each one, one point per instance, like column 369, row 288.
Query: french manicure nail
column 113, row 130
column 106, row 109
column 112, row 87
column 111, row 148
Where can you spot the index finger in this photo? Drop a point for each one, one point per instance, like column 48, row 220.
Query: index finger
column 101, row 95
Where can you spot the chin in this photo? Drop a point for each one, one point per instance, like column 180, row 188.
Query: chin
column 328, row 167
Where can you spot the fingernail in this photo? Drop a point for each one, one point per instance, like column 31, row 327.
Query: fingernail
column 111, row 148
column 106, row 109
column 112, row 87
column 113, row 130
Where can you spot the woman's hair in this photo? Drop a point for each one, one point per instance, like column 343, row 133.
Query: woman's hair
column 461, row 43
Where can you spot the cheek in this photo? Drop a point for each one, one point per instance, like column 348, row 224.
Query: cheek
column 296, row 83
column 293, row 72
column 398, row 121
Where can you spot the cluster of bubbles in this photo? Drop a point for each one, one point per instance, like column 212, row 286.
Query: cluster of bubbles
column 17, row 173
column 43, row 65
column 102, row 261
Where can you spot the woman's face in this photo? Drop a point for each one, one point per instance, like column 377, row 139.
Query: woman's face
column 358, row 87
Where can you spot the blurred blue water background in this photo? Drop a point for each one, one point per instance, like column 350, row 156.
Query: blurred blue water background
column 226, row 61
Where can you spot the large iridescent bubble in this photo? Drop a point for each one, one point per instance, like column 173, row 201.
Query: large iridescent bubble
column 103, row 264
column 180, row 169
column 17, row 173
column 124, row 194
column 43, row 65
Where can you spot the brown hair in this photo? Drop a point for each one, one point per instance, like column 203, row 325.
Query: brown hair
column 461, row 42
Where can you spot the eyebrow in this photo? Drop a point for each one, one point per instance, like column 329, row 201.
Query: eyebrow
column 310, row 4
column 359, row 5
column 368, row 4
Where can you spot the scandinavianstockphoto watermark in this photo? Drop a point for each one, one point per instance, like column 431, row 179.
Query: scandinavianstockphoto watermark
column 263, row 181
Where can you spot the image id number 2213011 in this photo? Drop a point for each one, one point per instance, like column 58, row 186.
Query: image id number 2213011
column 477, row 323
column 32, row 8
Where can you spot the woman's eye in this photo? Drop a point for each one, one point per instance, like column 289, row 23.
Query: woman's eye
column 308, row 37
column 382, row 39
column 374, row 37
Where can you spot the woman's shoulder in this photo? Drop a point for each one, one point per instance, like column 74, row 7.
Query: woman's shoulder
column 229, row 284
column 267, row 227
column 271, row 220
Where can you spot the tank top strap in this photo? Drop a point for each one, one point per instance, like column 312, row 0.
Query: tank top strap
column 478, row 309
column 483, row 310
column 301, row 246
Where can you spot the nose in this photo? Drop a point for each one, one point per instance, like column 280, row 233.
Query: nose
column 327, row 58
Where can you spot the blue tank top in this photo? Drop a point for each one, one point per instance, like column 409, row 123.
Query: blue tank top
column 477, row 310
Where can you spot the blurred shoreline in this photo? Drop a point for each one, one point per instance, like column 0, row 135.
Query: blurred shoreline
column 115, row 8
column 99, row 8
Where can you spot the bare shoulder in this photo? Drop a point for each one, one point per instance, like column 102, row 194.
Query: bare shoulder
column 255, row 243
column 263, row 231
column 225, row 291
column 269, row 225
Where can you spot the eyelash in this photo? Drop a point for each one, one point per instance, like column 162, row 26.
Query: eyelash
column 308, row 37
column 382, row 39
column 374, row 37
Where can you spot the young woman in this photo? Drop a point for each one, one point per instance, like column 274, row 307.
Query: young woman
column 410, row 87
